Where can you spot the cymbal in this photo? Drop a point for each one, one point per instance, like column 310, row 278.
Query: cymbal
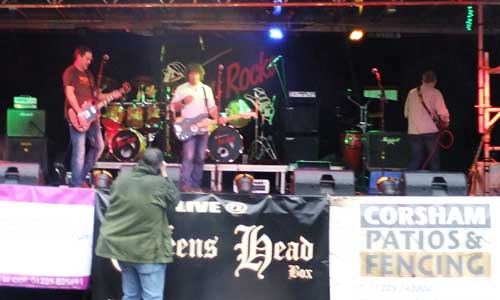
column 142, row 79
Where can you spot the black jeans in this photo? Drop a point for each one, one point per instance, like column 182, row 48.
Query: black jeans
column 421, row 146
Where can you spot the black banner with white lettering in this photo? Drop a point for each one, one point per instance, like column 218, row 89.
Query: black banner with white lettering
column 239, row 247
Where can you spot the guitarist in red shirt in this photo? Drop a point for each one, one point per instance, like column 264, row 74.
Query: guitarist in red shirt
column 80, row 90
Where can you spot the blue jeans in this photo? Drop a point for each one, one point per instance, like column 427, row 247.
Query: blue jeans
column 193, row 157
column 81, row 162
column 421, row 146
column 143, row 281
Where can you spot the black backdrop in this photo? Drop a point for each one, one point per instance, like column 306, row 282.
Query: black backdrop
column 32, row 63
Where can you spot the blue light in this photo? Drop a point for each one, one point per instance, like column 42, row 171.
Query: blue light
column 277, row 9
column 276, row 33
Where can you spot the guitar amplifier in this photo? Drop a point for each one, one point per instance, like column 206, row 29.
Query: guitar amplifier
column 387, row 150
column 25, row 123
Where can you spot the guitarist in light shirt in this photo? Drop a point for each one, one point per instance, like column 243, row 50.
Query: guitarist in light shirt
column 193, row 99
column 79, row 87
column 427, row 114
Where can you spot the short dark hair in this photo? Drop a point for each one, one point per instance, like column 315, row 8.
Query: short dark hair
column 153, row 157
column 429, row 76
column 81, row 50
column 195, row 67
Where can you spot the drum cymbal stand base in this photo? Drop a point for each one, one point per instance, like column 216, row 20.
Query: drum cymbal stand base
column 261, row 146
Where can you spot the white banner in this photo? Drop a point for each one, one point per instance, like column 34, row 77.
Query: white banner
column 414, row 248
column 46, row 236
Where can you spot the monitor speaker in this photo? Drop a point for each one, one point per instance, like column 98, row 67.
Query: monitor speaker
column 20, row 173
column 322, row 182
column 435, row 184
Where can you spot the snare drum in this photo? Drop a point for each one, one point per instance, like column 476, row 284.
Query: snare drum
column 225, row 144
column 128, row 145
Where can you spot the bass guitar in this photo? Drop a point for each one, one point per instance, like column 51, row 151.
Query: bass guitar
column 185, row 128
column 82, row 121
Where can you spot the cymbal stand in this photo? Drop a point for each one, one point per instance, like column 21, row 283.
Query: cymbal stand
column 261, row 145
column 363, row 114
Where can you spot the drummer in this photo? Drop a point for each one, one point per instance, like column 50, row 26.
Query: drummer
column 192, row 99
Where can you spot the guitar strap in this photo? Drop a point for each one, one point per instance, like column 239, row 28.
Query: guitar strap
column 419, row 92
column 206, row 100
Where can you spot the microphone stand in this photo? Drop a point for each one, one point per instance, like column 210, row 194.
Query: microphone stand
column 382, row 101
column 282, row 78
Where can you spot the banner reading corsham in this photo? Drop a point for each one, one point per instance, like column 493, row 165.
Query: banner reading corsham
column 414, row 248
column 239, row 247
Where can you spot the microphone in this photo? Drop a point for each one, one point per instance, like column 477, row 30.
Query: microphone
column 376, row 73
column 274, row 61
column 105, row 57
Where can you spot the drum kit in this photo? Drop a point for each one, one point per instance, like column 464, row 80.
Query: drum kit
column 132, row 125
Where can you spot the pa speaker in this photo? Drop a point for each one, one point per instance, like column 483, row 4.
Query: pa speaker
column 174, row 172
column 20, row 173
column 387, row 150
column 435, row 184
column 322, row 182
column 32, row 150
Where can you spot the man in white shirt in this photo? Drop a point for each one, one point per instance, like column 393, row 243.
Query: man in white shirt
column 192, row 99
column 424, row 109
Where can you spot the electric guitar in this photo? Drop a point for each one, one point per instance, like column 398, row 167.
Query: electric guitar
column 185, row 128
column 81, row 122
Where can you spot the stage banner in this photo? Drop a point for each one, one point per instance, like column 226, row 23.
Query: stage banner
column 231, row 247
column 414, row 248
column 46, row 236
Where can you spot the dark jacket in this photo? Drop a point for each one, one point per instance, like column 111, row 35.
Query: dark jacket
column 136, row 227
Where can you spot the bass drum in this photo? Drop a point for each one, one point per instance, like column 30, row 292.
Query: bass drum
column 128, row 145
column 225, row 144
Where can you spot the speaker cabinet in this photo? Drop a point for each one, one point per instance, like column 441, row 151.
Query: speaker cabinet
column 300, row 148
column 387, row 150
column 322, row 182
column 21, row 173
column 435, row 184
column 25, row 123
column 32, row 150
column 302, row 118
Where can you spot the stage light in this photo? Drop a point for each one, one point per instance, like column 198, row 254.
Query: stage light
column 277, row 9
column 356, row 35
column 388, row 186
column 243, row 183
column 276, row 33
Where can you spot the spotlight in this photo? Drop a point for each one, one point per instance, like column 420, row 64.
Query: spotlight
column 277, row 9
column 276, row 33
column 102, row 179
column 243, row 183
column 356, row 35
column 388, row 186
